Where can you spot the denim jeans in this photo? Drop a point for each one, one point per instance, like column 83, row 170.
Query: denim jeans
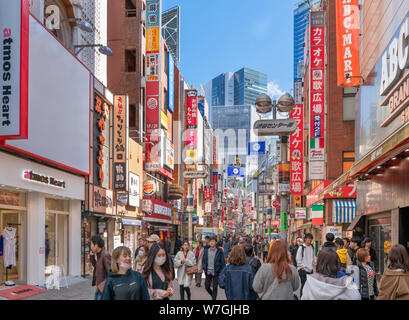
column 98, row 295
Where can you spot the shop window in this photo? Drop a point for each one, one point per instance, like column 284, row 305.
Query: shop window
column 348, row 159
column 132, row 115
column 130, row 9
column 130, row 60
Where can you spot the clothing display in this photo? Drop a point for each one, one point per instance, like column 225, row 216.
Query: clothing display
column 9, row 235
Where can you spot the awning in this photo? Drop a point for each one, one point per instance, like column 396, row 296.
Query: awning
column 354, row 222
column 389, row 148
column 343, row 211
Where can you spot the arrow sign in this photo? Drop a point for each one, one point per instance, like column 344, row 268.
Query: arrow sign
column 194, row 174
column 274, row 127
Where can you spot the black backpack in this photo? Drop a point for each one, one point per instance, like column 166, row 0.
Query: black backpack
column 302, row 251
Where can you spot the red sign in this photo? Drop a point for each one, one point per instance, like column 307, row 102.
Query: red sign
column 317, row 93
column 275, row 223
column 161, row 211
column 208, row 193
column 348, row 191
column 191, row 109
column 276, row 204
column 347, row 19
column 297, row 151
column 236, row 202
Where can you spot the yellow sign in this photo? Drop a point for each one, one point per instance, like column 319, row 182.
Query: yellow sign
column 297, row 201
column 164, row 119
column 152, row 39
column 237, row 162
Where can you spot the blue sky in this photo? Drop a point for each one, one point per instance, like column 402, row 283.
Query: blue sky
column 225, row 35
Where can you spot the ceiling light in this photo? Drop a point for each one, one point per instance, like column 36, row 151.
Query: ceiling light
column 407, row 150
column 394, row 158
column 379, row 167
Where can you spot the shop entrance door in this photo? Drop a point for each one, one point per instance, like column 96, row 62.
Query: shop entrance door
column 404, row 227
column 56, row 241
column 14, row 220
column 380, row 234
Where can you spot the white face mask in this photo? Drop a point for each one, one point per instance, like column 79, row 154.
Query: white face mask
column 141, row 253
column 160, row 261
column 125, row 266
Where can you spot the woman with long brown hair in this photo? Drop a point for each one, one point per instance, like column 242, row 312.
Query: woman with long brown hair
column 278, row 278
column 395, row 280
column 158, row 273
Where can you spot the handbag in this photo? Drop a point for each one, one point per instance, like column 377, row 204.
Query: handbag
column 192, row 270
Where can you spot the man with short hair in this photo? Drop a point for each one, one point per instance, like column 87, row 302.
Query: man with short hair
column 293, row 250
column 141, row 243
column 207, row 240
column 153, row 238
column 305, row 259
column 353, row 248
column 213, row 264
column 330, row 242
column 346, row 242
column 167, row 244
column 101, row 261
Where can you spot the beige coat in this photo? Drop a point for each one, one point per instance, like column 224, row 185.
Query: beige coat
column 394, row 285
column 199, row 261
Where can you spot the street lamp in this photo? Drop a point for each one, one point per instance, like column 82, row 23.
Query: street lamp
column 101, row 48
column 285, row 104
column 82, row 24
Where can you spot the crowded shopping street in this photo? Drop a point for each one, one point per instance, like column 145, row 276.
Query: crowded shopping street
column 207, row 155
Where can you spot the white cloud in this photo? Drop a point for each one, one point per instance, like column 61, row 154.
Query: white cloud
column 273, row 90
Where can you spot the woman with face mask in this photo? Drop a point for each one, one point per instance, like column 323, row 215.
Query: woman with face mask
column 123, row 283
column 141, row 258
column 185, row 258
column 158, row 273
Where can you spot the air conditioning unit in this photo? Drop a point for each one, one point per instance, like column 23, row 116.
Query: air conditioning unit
column 143, row 16
column 143, row 82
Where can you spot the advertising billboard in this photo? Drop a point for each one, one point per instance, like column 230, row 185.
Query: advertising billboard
column 14, row 66
column 297, row 151
column 171, row 83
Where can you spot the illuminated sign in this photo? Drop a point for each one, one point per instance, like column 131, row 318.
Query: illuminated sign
column 43, row 179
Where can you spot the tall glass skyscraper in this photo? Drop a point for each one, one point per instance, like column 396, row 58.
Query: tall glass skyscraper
column 248, row 85
column 300, row 24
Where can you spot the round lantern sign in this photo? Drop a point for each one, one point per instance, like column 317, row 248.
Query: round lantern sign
column 149, row 188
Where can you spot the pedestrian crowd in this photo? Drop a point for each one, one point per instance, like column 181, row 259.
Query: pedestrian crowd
column 250, row 268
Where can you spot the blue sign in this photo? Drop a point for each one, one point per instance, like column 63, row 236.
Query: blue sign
column 171, row 83
column 257, row 148
column 235, row 171
column 317, row 126
column 152, row 13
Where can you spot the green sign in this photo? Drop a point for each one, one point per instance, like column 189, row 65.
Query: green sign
column 284, row 221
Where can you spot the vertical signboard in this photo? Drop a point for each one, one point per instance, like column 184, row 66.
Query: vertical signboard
column 134, row 182
column 347, row 13
column 191, row 109
column 153, row 67
column 101, row 143
column 317, row 93
column 14, row 41
column 120, row 140
column 296, row 151
column 171, row 83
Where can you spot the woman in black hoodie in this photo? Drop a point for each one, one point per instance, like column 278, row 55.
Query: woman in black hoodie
column 122, row 282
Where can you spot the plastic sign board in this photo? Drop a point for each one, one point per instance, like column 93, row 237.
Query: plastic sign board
column 149, row 188
column 347, row 20
column 297, row 151
column 194, row 174
column 274, row 127
column 14, row 43
column 300, row 213
column 256, row 148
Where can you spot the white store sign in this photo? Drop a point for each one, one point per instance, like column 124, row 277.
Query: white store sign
column 14, row 43
column 317, row 170
column 134, row 182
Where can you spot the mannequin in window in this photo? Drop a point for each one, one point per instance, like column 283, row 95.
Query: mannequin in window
column 9, row 235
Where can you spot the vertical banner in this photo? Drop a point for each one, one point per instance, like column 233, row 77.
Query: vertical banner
column 347, row 15
column 14, row 40
column 171, row 82
column 101, row 143
column 317, row 215
column 120, row 142
column 317, row 94
column 191, row 124
column 153, row 87
column 296, row 151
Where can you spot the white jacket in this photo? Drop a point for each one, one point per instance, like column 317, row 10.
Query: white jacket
column 184, row 279
column 319, row 287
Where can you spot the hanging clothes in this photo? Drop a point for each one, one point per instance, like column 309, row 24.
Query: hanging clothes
column 1, row 245
column 9, row 247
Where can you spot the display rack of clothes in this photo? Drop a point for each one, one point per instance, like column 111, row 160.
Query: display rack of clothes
column 9, row 250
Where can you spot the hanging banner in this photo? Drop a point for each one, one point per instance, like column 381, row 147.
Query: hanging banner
column 14, row 40
column 317, row 95
column 296, row 151
column 317, row 215
column 347, row 17
column 191, row 109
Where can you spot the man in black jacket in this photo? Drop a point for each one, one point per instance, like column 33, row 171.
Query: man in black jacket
column 213, row 264
column 353, row 248
column 330, row 241
column 254, row 263
column 293, row 250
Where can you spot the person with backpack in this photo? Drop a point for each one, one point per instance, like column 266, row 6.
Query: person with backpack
column 341, row 252
column 305, row 259
column 277, row 279
column 253, row 262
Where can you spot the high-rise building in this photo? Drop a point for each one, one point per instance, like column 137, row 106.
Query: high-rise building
column 300, row 23
column 248, row 85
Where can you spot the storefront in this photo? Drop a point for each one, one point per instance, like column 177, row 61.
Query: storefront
column 41, row 206
column 158, row 217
